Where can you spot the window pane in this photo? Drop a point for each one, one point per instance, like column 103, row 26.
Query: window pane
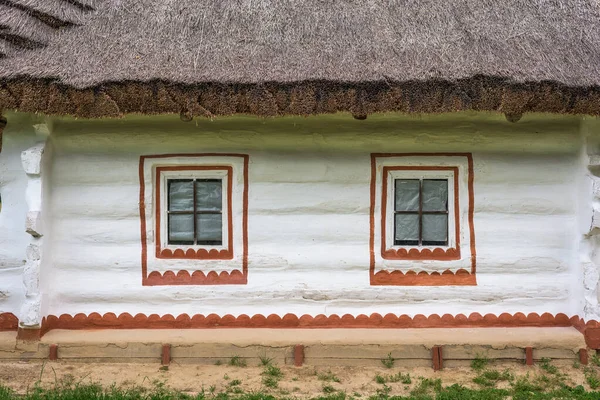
column 435, row 229
column 181, row 228
column 435, row 195
column 181, row 195
column 407, row 229
column 210, row 228
column 407, row 194
column 209, row 195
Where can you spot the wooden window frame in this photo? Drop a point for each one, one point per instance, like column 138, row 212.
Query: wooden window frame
column 420, row 212
column 391, row 251
column 196, row 251
column 194, row 212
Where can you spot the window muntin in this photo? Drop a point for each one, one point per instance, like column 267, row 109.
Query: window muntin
column 195, row 208
column 420, row 212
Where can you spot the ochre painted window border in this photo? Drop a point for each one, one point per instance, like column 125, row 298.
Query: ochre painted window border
column 185, row 252
column 194, row 277
column 409, row 277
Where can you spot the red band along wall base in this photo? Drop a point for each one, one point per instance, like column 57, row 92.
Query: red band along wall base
column 410, row 277
column 590, row 329
column 198, row 277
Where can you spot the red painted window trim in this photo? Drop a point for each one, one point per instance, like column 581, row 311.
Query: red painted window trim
column 193, row 277
column 410, row 277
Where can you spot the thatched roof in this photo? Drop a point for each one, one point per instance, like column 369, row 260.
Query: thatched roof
column 356, row 55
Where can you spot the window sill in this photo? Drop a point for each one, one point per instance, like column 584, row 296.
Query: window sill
column 196, row 254
column 436, row 254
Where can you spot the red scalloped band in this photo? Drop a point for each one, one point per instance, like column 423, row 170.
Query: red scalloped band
column 200, row 254
column 184, row 321
column 423, row 254
column 461, row 277
column 8, row 322
column 235, row 277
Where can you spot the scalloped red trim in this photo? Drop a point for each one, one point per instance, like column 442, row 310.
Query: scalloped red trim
column 422, row 254
column 235, row 277
column 412, row 278
column 184, row 321
column 8, row 322
column 200, row 254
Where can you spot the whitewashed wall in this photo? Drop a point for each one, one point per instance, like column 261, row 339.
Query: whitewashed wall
column 309, row 214
column 19, row 135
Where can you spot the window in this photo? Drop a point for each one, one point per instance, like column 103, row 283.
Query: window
column 421, row 212
column 197, row 220
column 195, row 211
column 194, row 219
column 422, row 219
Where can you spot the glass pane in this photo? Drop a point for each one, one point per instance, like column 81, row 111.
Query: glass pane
column 407, row 194
column 407, row 229
column 181, row 195
column 181, row 228
column 210, row 228
column 435, row 229
column 209, row 195
column 435, row 195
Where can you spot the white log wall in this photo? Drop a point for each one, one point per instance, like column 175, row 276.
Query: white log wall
column 19, row 135
column 308, row 214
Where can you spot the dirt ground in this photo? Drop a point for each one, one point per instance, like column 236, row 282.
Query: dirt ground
column 300, row 382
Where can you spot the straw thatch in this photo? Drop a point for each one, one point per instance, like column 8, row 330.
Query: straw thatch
column 271, row 57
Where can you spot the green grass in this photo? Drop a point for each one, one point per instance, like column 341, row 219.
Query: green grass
column 479, row 363
column 399, row 377
column 546, row 366
column 591, row 378
column 490, row 377
column 427, row 389
column 264, row 361
column 389, row 361
column 271, row 376
column 270, row 381
column 328, row 389
column 273, row 370
column 237, row 361
column 328, row 377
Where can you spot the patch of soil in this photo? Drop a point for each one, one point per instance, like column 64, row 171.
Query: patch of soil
column 301, row 382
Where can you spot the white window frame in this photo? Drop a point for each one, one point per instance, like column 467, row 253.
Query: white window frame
column 390, row 202
column 165, row 176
